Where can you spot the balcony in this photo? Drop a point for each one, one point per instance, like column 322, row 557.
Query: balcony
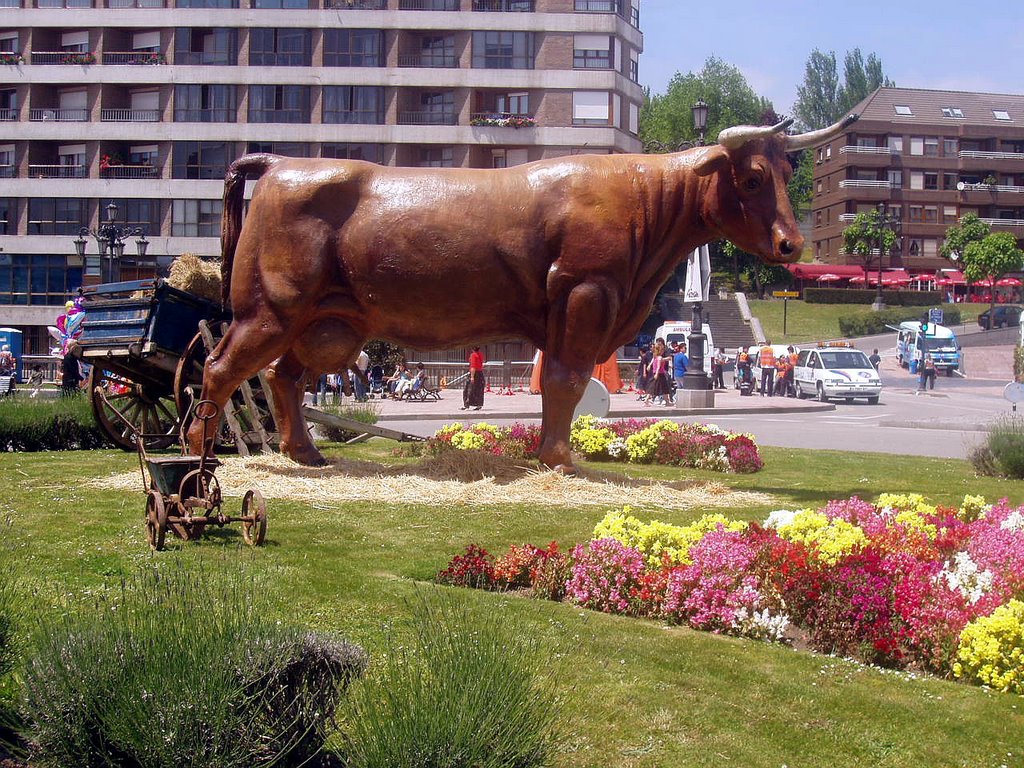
column 502, row 120
column 63, row 3
column 429, row 60
column 428, row 5
column 59, row 115
column 62, row 57
column 846, row 218
column 8, row 115
column 864, row 184
column 356, row 5
column 130, row 115
column 1014, row 223
column 7, row 171
column 130, row 172
column 970, row 154
column 504, row 5
column 993, row 188
column 853, row 150
column 136, row 4
column 134, row 58
column 58, row 171
column 427, row 118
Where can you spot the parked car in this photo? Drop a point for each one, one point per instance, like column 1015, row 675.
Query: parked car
column 836, row 370
column 1006, row 315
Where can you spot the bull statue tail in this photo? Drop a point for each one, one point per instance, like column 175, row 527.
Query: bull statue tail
column 247, row 166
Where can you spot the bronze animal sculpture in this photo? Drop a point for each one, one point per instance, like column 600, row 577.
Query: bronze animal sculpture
column 568, row 253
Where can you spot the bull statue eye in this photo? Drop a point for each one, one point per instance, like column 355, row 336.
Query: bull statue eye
column 752, row 184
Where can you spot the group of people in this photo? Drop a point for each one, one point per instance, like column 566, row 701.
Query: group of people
column 660, row 372
column 404, row 380
column 351, row 381
column 776, row 370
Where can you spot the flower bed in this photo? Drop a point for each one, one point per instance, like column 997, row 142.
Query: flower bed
column 640, row 441
column 898, row 582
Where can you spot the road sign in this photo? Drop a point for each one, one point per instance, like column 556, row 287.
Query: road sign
column 935, row 316
column 1014, row 392
column 786, row 294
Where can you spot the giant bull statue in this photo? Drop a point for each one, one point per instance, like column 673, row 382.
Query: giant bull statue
column 568, row 253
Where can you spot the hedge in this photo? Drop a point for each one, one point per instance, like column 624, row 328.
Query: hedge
column 867, row 296
column 869, row 324
column 60, row 424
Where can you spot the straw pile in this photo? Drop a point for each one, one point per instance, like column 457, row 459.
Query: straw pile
column 198, row 276
column 278, row 477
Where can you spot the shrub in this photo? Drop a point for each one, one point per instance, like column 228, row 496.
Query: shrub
column 61, row 424
column 991, row 649
column 181, row 668
column 364, row 413
column 866, row 296
column 1006, row 444
column 473, row 568
column 463, row 688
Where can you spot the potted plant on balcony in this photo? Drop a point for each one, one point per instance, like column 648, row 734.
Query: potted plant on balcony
column 110, row 161
column 12, row 58
column 79, row 58
column 990, row 180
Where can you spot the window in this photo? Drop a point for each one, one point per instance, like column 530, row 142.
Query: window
column 866, row 141
column 895, row 179
column 435, row 157
column 56, row 216
column 949, row 181
column 952, row 112
column 916, row 179
column 915, row 247
column 372, row 153
column 206, row 46
column 8, row 216
column 195, row 218
column 75, row 42
column 434, row 51
column 590, row 108
column 353, row 48
column 916, row 213
column 931, row 146
column 931, row 181
column 206, row 4
column 506, row 158
column 142, row 213
column 205, row 104
column 278, row 103
column 286, row 148
column 592, row 52
column 903, row 110
column 917, row 145
column 37, row 279
column 1000, row 114
column 503, row 50
column 896, row 145
column 353, row 104
column 8, row 42
column 931, row 214
column 634, row 68
column 287, row 4
column 280, row 47
column 817, row 219
column 828, row 151
column 950, row 147
column 201, row 159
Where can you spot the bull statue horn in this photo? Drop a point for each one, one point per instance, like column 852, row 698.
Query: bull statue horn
column 805, row 140
column 737, row 136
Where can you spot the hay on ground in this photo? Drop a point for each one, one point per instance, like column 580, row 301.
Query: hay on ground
column 428, row 483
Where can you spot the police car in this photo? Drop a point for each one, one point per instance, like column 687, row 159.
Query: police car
column 836, row 370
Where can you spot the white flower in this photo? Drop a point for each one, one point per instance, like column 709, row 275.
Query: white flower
column 760, row 625
column 1013, row 522
column 779, row 518
column 964, row 576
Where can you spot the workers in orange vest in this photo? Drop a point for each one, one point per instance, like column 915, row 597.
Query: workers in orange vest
column 767, row 360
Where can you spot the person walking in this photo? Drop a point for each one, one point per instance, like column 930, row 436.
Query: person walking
column 643, row 374
column 875, row 359
column 718, row 369
column 473, row 391
column 680, row 363
column 766, row 357
column 359, row 376
column 927, row 373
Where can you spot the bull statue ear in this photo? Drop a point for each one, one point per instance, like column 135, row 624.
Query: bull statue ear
column 709, row 160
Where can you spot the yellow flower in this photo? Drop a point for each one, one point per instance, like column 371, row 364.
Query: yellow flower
column 831, row 540
column 991, row 649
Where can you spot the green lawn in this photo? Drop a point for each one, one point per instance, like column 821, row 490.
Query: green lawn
column 815, row 322
column 642, row 694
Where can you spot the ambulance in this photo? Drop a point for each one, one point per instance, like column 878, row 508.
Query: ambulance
column 939, row 342
column 679, row 330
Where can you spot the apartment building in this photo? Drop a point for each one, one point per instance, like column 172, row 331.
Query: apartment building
column 930, row 157
column 144, row 103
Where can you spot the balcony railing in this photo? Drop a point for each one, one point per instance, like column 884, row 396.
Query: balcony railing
column 63, row 3
column 504, row 5
column 427, row 60
column 130, row 172
column 970, row 154
column 854, row 150
column 502, row 120
column 427, row 118
column 864, row 184
column 130, row 115
column 57, row 171
column 6, row 171
column 136, row 4
column 847, row 217
column 62, row 57
column 599, row 6
column 59, row 115
column 428, row 5
column 134, row 57
column 1003, row 222
column 993, row 188
column 356, row 5
column 8, row 115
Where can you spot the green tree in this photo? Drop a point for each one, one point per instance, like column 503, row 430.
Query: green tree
column 822, row 100
column 863, row 236
column 971, row 229
column 991, row 258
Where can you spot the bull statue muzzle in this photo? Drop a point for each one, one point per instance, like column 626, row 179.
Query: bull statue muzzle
column 736, row 137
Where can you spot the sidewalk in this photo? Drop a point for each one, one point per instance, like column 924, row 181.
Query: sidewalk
column 522, row 405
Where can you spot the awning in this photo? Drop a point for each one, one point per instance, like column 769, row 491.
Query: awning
column 955, row 277
column 814, row 271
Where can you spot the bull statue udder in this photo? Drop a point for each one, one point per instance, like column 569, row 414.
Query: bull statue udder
column 567, row 253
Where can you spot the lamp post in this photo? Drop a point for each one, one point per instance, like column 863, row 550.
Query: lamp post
column 886, row 223
column 695, row 377
column 110, row 239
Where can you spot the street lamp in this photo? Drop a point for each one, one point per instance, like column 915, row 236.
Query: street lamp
column 695, row 377
column 110, row 239
column 885, row 223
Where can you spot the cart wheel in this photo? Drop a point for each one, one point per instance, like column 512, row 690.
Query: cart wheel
column 203, row 486
column 254, row 531
column 156, row 520
column 153, row 414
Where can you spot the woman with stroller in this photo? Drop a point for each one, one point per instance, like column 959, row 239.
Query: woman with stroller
column 659, row 390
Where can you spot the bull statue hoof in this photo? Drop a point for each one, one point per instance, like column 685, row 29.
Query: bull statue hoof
column 310, row 457
column 565, row 469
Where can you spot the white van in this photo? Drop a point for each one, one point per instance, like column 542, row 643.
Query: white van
column 836, row 370
column 679, row 330
column 939, row 342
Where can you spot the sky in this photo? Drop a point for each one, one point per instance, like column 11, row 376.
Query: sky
column 941, row 44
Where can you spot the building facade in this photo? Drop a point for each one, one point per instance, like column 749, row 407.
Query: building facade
column 146, row 102
column 930, row 157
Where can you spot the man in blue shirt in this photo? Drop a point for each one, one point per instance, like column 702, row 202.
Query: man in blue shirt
column 680, row 362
